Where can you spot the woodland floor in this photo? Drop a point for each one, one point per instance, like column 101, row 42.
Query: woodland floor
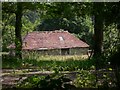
column 10, row 77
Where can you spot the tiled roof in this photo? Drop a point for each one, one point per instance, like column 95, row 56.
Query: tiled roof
column 38, row 40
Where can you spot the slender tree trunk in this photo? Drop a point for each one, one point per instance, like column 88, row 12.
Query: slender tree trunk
column 98, row 38
column 98, row 31
column 98, row 34
column 18, row 26
column 98, row 28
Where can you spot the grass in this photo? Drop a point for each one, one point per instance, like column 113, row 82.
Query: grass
column 85, row 77
column 58, row 57
column 49, row 63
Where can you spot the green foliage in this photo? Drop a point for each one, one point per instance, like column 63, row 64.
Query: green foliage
column 30, row 20
column 85, row 79
column 10, row 62
column 52, row 82
column 82, row 26
column 77, row 21
column 30, row 82
column 16, row 8
column 107, row 80
column 8, row 30
column 111, row 38
column 111, row 44
column 51, row 65
column 76, row 18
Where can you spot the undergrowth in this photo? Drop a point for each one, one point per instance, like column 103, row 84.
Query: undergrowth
column 49, row 65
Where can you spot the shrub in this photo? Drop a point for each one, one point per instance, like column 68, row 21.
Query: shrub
column 52, row 82
column 85, row 79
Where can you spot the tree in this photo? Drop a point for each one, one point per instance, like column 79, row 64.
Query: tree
column 18, row 26
column 104, row 16
column 68, row 16
column 17, row 9
column 98, row 27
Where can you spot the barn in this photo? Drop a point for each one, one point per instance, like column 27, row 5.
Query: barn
column 53, row 43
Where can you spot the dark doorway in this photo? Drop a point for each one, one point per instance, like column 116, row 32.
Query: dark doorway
column 65, row 51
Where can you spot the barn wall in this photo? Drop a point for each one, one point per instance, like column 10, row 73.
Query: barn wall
column 78, row 51
column 49, row 52
column 35, row 53
column 72, row 51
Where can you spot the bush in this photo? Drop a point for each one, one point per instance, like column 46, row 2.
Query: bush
column 85, row 79
column 52, row 82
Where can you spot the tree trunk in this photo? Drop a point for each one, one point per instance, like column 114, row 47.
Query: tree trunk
column 98, row 27
column 98, row 30
column 18, row 26
column 98, row 35
column 98, row 39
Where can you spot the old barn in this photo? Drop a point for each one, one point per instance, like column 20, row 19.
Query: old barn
column 54, row 43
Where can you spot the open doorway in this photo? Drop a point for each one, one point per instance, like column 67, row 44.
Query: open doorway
column 65, row 51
